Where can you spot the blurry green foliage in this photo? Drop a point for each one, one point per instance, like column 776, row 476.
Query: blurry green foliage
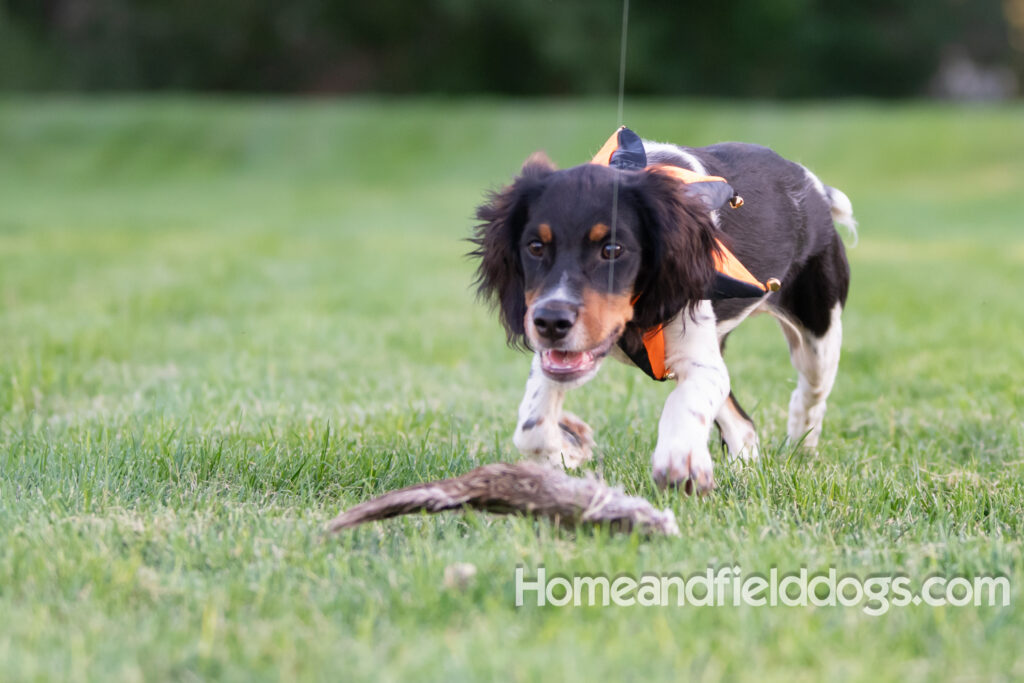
column 788, row 48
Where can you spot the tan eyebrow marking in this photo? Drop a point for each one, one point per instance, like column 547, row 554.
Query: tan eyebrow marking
column 598, row 232
column 545, row 232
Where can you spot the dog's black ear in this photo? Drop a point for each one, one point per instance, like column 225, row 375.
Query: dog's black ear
column 678, row 249
column 499, row 275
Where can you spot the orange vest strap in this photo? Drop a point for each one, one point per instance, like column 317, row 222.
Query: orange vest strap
column 685, row 175
column 604, row 155
column 726, row 263
column 654, row 344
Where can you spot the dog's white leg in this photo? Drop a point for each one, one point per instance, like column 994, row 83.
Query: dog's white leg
column 816, row 360
column 702, row 385
column 738, row 431
column 544, row 430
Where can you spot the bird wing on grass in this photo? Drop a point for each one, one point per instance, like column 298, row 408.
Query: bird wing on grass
column 527, row 488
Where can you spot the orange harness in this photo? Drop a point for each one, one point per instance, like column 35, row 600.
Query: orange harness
column 624, row 149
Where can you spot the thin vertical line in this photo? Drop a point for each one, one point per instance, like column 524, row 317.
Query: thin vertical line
column 622, row 56
column 622, row 97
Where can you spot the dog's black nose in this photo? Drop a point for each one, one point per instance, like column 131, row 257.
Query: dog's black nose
column 554, row 320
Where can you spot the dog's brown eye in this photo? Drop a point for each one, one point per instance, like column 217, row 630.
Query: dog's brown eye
column 536, row 248
column 610, row 252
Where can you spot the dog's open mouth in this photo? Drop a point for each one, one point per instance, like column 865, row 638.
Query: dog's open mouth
column 569, row 365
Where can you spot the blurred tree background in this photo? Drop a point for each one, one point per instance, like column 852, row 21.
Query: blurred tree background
column 742, row 48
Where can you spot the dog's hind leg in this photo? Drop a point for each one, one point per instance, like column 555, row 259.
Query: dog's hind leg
column 734, row 425
column 810, row 312
column 737, row 430
column 816, row 359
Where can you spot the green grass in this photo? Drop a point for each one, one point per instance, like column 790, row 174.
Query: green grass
column 223, row 321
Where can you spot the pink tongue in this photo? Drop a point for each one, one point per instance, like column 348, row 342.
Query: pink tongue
column 566, row 360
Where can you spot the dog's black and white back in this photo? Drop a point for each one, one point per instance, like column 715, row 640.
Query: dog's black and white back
column 570, row 293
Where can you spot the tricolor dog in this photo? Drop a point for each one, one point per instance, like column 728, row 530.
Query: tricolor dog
column 654, row 253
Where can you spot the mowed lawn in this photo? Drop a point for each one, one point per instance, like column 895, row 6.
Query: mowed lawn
column 221, row 322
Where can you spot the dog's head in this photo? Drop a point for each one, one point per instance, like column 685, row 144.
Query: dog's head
column 572, row 268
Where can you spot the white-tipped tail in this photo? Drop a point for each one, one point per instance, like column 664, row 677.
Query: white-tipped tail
column 842, row 211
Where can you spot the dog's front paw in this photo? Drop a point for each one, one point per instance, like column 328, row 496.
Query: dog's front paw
column 577, row 441
column 567, row 443
column 684, row 465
